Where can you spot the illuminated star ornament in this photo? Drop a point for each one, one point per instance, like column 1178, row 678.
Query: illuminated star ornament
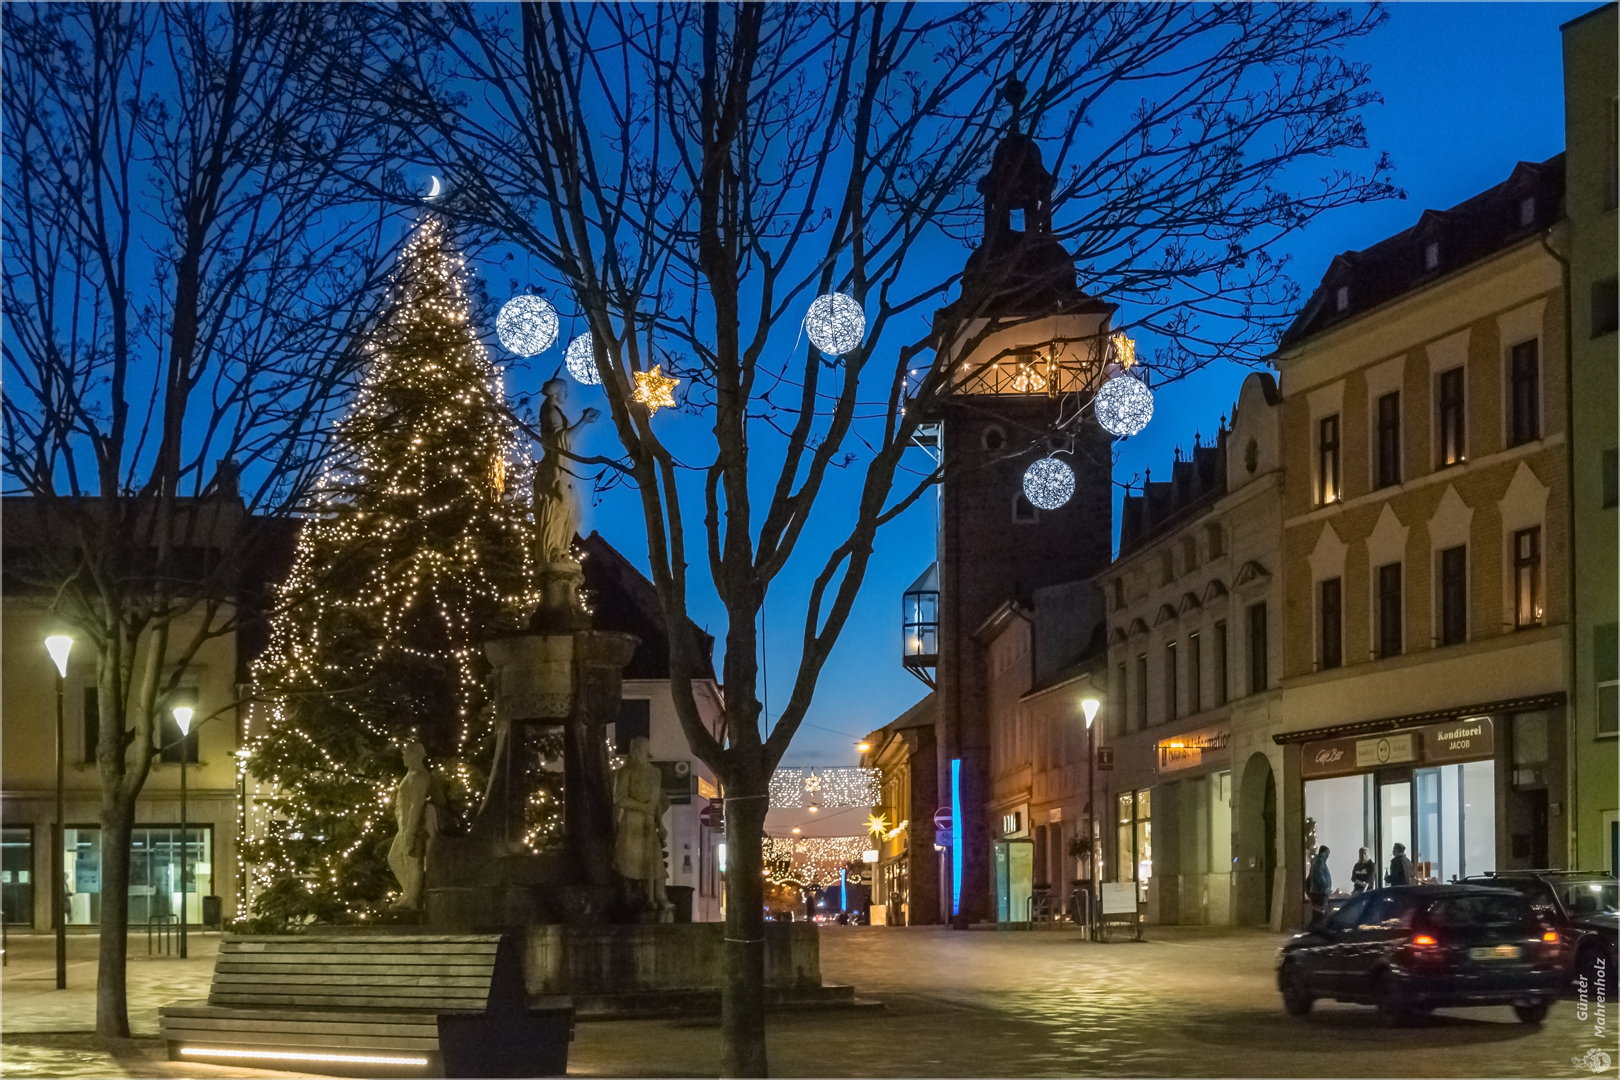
column 655, row 390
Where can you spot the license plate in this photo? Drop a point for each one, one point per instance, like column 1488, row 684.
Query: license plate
column 1494, row 952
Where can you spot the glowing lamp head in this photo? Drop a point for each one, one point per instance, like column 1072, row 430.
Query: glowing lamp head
column 863, row 747
column 182, row 716
column 59, row 645
column 869, row 856
column 1090, row 706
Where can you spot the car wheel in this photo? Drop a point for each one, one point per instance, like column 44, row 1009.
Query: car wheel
column 1533, row 1013
column 1392, row 1001
column 1297, row 999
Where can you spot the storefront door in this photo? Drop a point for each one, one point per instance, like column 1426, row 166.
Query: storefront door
column 1394, row 818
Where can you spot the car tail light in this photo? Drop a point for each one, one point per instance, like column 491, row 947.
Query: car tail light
column 1424, row 941
column 1550, row 937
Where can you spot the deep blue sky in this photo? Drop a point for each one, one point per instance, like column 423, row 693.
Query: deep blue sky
column 1469, row 90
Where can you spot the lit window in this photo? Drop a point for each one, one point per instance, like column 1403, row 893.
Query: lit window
column 1327, row 460
column 1527, row 577
column 1451, row 417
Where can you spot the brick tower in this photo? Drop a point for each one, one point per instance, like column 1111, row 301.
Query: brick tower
column 1029, row 345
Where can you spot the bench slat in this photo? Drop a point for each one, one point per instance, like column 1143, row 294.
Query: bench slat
column 292, row 1040
column 261, row 978
column 343, row 1001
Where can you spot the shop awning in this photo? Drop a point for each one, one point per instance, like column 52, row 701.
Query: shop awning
column 1435, row 716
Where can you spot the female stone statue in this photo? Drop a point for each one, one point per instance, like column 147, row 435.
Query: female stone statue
column 416, row 811
column 556, row 503
column 639, row 804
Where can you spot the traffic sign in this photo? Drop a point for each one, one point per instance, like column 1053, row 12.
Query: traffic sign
column 944, row 818
column 942, row 838
column 713, row 816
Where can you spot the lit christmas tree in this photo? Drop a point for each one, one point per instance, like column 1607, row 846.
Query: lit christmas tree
column 419, row 549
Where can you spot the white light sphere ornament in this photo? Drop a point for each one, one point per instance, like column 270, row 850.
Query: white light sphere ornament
column 835, row 323
column 1124, row 406
column 1048, row 484
column 527, row 325
column 580, row 359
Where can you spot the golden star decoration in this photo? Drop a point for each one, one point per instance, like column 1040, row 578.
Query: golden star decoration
column 655, row 390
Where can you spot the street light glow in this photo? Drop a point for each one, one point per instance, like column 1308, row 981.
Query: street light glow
column 1090, row 706
column 182, row 716
column 59, row 645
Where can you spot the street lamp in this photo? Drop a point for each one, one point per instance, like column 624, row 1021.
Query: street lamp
column 182, row 717
column 1090, row 706
column 59, row 645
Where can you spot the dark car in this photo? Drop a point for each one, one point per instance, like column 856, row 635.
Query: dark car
column 1582, row 906
column 1414, row 948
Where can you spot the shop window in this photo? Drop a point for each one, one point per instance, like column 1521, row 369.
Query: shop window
column 1606, row 666
column 1454, row 595
column 1451, row 417
column 1170, row 689
column 1144, row 843
column 17, row 875
column 1258, row 678
column 1524, row 395
column 81, row 874
column 1327, row 460
column 1330, row 610
column 1221, row 688
column 1527, row 577
column 1125, row 839
column 1389, row 610
column 1195, row 673
column 156, row 886
column 1389, row 440
column 91, row 724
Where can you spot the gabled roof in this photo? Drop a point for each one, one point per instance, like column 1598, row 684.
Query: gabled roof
column 1466, row 233
column 624, row 601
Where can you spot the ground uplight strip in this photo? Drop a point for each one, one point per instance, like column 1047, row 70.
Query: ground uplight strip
column 292, row 1055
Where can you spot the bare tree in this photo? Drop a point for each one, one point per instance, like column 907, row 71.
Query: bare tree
column 185, row 267
column 693, row 175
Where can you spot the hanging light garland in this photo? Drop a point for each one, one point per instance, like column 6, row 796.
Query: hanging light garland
column 829, row 787
column 811, row 861
column 835, row 323
column 1124, row 406
column 527, row 325
column 1048, row 483
column 655, row 390
column 580, row 360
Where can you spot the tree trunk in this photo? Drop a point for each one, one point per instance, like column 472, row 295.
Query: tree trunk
column 742, row 997
column 112, row 998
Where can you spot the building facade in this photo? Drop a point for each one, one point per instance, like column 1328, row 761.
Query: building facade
column 1592, row 115
column 1426, row 545
column 1195, row 661
column 910, row 874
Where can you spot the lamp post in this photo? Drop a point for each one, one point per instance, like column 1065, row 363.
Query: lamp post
column 1090, row 706
column 182, row 717
column 59, row 645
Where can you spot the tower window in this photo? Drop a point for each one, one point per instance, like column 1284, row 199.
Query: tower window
column 1431, row 255
column 1341, row 298
column 1527, row 210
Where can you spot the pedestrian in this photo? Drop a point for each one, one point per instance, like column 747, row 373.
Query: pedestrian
column 1361, row 876
column 1400, row 867
column 1319, row 883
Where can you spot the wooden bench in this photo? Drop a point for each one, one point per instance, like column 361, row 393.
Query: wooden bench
column 372, row 1005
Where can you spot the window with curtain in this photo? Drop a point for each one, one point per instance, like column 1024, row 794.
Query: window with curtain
column 1327, row 460
column 1451, row 419
column 1527, row 577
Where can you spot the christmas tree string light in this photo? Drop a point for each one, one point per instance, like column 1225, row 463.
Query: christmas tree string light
column 418, row 546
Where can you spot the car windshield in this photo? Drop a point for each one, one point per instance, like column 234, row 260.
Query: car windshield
column 1590, row 897
column 1488, row 910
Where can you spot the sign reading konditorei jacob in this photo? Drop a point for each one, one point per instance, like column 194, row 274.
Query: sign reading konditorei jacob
column 1468, row 739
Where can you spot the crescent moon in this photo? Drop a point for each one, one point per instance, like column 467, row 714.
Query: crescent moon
column 434, row 194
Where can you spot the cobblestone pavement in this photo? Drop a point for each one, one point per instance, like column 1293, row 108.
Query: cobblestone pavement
column 1186, row 1002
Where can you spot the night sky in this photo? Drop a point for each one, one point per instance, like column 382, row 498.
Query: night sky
column 1469, row 90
